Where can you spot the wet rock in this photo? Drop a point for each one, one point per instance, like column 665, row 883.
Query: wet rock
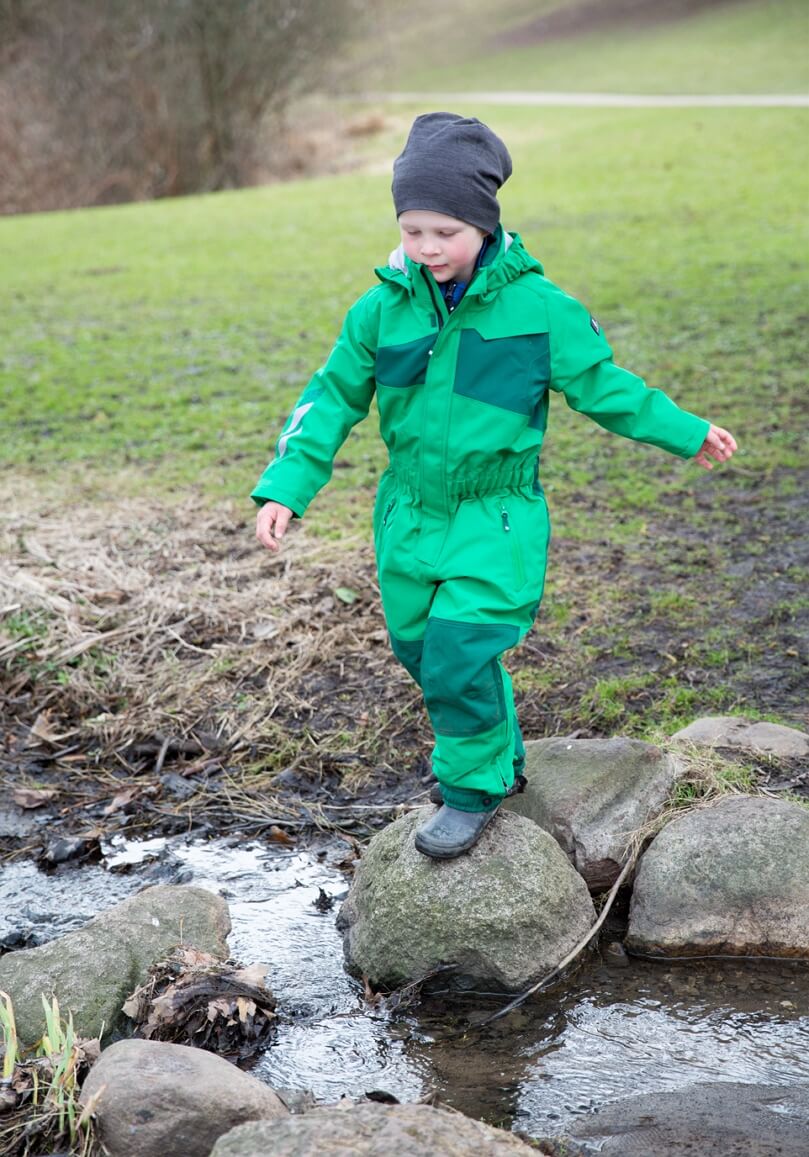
column 615, row 954
column 15, row 823
column 731, row 879
column 94, row 969
column 734, row 731
column 590, row 794
column 167, row 1100
column 62, row 848
column 505, row 913
column 711, row 1120
column 367, row 1130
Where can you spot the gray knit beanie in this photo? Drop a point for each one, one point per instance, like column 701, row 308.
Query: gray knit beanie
column 454, row 165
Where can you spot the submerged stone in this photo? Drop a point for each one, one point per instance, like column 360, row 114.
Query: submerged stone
column 726, row 1119
column 504, row 914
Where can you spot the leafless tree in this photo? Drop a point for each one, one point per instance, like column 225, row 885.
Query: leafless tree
column 112, row 100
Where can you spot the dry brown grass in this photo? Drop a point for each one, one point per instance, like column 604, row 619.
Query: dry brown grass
column 135, row 637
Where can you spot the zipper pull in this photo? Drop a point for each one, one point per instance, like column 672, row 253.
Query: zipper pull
column 387, row 512
column 504, row 516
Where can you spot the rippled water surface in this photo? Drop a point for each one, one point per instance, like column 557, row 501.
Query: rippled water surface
column 613, row 1030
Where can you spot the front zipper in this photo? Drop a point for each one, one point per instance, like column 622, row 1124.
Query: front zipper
column 440, row 306
column 516, row 553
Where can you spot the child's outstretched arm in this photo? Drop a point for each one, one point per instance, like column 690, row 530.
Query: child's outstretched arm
column 337, row 397
column 583, row 370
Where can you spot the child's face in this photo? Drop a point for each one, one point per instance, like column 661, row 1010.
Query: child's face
column 447, row 246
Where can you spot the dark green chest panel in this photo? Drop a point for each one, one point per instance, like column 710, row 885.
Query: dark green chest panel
column 510, row 372
column 404, row 365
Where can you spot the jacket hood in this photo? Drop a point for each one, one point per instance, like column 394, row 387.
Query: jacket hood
column 510, row 260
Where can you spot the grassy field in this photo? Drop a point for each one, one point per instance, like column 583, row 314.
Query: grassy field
column 172, row 338
column 748, row 46
column 153, row 351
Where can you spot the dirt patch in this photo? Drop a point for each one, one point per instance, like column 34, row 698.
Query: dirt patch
column 596, row 16
column 158, row 670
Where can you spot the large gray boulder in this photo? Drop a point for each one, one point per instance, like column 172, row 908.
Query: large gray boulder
column 371, row 1130
column 93, row 970
column 591, row 794
column 732, row 879
column 153, row 1099
column 733, row 731
column 505, row 913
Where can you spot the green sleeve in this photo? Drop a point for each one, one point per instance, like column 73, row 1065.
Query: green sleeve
column 583, row 370
column 338, row 396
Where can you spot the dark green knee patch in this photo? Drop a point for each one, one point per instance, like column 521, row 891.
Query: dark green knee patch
column 409, row 655
column 463, row 688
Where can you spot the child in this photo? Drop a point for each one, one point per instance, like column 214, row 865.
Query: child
column 462, row 342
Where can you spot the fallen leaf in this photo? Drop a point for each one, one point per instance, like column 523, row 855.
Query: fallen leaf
column 369, row 995
column 246, row 1007
column 219, row 1007
column 279, row 836
column 255, row 975
column 120, row 800
column 42, row 729
column 346, row 594
column 30, row 797
column 89, row 1048
column 136, row 1005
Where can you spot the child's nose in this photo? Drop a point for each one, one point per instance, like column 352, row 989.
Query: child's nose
column 430, row 247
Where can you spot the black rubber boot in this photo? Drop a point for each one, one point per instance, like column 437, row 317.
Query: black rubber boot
column 516, row 789
column 450, row 832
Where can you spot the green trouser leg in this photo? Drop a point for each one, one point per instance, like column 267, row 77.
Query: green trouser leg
column 452, row 611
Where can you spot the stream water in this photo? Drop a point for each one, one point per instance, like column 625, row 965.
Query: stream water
column 620, row 1026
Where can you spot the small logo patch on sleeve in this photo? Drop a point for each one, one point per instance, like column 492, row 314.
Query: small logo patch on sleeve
column 595, row 326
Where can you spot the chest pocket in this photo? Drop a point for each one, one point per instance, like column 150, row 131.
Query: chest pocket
column 509, row 370
column 404, row 365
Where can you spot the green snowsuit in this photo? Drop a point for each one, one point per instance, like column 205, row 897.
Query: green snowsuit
column 461, row 527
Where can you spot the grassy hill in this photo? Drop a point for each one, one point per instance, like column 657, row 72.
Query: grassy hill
column 744, row 46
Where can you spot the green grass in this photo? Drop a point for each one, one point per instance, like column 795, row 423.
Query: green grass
column 161, row 345
column 755, row 46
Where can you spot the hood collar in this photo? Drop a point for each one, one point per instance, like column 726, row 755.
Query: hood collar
column 510, row 260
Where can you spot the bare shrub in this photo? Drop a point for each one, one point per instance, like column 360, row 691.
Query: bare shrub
column 104, row 101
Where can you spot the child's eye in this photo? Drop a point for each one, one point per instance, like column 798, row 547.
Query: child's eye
column 446, row 232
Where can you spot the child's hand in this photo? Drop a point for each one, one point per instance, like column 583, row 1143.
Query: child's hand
column 719, row 444
column 271, row 523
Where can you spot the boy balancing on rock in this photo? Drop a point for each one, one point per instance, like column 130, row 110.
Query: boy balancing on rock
column 463, row 340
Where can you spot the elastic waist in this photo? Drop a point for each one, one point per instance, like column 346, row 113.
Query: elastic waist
column 514, row 477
